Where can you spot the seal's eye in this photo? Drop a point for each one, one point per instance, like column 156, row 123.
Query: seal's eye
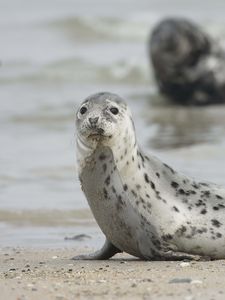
column 114, row 110
column 83, row 110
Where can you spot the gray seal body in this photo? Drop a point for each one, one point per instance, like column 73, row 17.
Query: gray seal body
column 143, row 206
column 188, row 65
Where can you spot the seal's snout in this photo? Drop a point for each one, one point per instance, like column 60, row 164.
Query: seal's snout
column 95, row 128
column 93, row 121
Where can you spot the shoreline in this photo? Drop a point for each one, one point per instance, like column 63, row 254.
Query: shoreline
column 51, row 274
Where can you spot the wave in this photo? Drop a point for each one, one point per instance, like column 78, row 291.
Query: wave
column 43, row 218
column 99, row 28
column 129, row 71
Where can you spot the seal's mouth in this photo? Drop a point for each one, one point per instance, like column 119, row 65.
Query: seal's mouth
column 99, row 135
column 96, row 133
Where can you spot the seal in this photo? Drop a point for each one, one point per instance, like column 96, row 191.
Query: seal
column 143, row 206
column 188, row 64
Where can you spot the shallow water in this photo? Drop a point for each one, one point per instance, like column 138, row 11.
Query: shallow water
column 55, row 53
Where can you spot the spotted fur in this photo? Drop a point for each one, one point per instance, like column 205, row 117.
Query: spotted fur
column 143, row 206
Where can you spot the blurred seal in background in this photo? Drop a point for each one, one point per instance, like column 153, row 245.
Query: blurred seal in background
column 188, row 65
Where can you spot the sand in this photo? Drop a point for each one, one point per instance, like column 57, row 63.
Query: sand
column 51, row 274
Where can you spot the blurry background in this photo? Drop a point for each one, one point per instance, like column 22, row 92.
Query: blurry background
column 52, row 55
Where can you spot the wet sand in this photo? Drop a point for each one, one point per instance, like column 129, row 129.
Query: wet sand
column 50, row 274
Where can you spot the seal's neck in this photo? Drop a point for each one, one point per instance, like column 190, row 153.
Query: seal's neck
column 83, row 150
column 124, row 150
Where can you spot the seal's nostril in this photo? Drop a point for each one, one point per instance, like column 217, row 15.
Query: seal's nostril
column 100, row 131
column 93, row 121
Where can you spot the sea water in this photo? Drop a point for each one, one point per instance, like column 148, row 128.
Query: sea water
column 53, row 54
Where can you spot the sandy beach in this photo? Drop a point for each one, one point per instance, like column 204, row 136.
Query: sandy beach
column 51, row 274
column 53, row 55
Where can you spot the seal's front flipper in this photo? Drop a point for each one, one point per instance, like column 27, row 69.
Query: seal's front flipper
column 107, row 251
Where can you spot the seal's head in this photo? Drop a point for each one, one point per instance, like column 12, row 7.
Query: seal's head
column 104, row 119
column 177, row 44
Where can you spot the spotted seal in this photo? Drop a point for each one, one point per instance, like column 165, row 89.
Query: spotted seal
column 143, row 206
column 188, row 65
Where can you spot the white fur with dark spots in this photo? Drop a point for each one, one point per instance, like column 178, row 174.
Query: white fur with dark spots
column 143, row 207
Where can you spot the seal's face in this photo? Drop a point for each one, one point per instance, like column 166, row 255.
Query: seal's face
column 104, row 120
column 100, row 118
